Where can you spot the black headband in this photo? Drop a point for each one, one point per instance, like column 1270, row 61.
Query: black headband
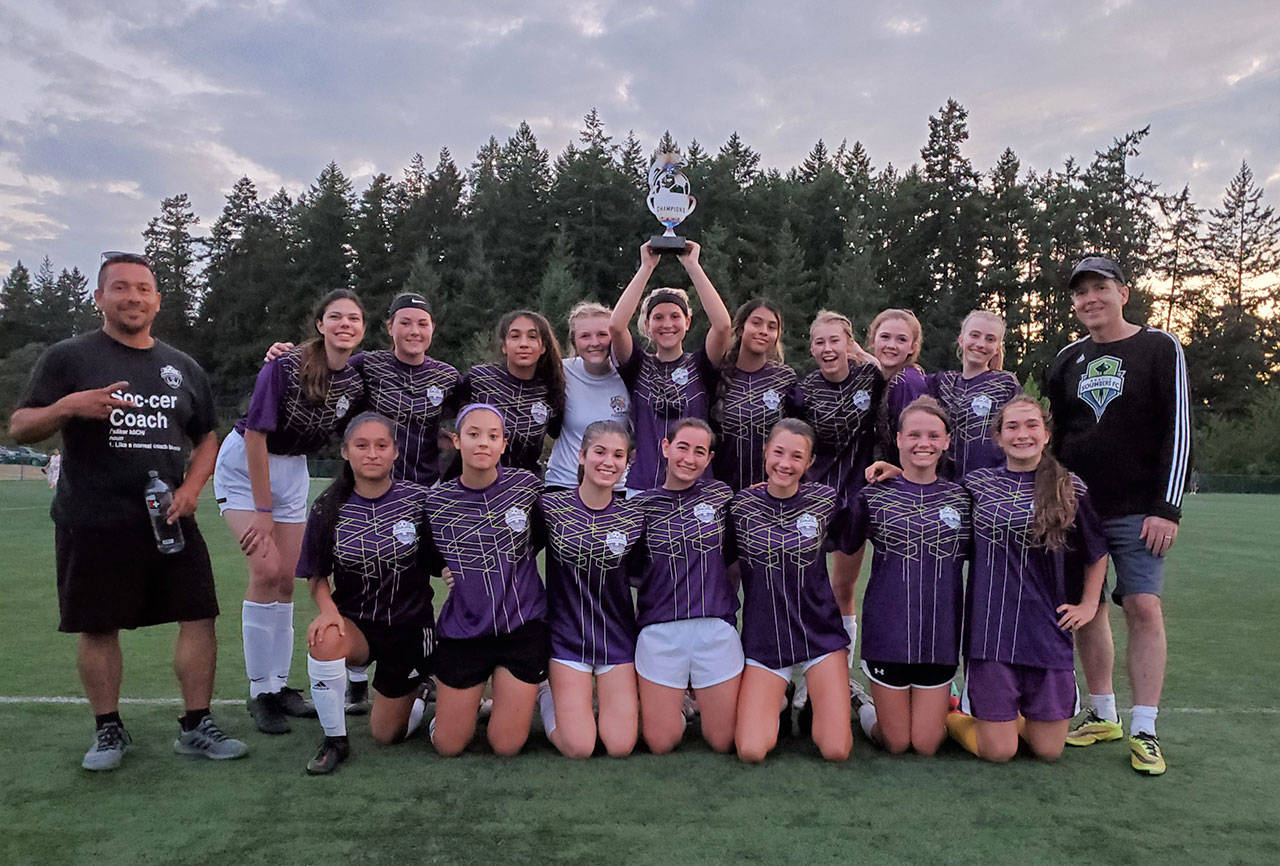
column 666, row 296
column 408, row 300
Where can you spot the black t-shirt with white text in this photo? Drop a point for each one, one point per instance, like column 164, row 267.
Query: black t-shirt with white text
column 105, row 463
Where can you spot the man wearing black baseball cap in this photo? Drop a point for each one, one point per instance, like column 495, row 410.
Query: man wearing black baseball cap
column 1122, row 423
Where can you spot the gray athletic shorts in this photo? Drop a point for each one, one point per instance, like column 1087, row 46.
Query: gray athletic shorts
column 1137, row 568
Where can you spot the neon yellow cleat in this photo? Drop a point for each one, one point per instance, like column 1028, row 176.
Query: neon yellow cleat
column 1145, row 755
column 1094, row 729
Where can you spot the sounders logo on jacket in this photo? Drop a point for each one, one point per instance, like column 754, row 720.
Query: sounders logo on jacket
column 1102, row 382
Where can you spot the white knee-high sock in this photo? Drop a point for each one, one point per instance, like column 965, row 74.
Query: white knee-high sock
column 257, row 628
column 282, row 650
column 358, row 673
column 851, row 628
column 328, row 693
column 546, row 707
column 416, row 712
column 867, row 717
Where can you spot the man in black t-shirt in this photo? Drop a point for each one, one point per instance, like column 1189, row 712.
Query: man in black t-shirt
column 1122, row 422
column 127, row 404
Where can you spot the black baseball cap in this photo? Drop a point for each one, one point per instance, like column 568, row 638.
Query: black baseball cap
column 1096, row 265
column 408, row 299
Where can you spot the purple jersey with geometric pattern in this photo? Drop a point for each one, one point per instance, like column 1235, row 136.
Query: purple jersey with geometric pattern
column 489, row 539
column 663, row 392
column 912, row 609
column 414, row 397
column 1016, row 584
column 589, row 607
column 842, row 415
column 527, row 411
column 752, row 403
column 906, row 385
column 294, row 424
column 684, row 568
column 789, row 614
column 375, row 557
column 972, row 405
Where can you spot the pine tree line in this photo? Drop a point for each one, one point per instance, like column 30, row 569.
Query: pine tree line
column 517, row 228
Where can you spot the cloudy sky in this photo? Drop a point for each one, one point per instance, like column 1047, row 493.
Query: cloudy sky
column 103, row 112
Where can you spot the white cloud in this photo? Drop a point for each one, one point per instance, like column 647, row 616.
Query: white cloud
column 1250, row 69
column 905, row 25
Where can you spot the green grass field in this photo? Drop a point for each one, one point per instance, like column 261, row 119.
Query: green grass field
column 1219, row 802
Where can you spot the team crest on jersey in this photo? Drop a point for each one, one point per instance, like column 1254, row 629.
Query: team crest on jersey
column 680, row 376
column 772, row 399
column 949, row 516
column 807, row 525
column 435, row 396
column 1102, row 382
column 540, row 411
column 616, row 541
column 404, row 531
column 171, row 376
column 862, row 399
column 340, row 408
column 516, row 519
column 704, row 512
column 618, row 403
column 981, row 405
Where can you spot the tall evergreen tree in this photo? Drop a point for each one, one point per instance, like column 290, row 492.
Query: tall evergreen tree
column 1178, row 254
column 1005, row 256
column 373, row 270
column 172, row 250
column 18, row 324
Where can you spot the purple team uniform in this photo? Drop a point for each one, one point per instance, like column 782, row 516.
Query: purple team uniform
column 906, row 385
column 590, row 610
column 380, row 581
column 842, row 415
column 911, row 613
column 414, row 397
column 663, row 392
column 488, row 539
column 789, row 614
column 972, row 405
column 292, row 422
column 684, row 568
column 751, row 405
column 528, row 413
column 1015, row 588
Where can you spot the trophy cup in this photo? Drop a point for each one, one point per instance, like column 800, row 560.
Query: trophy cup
column 669, row 201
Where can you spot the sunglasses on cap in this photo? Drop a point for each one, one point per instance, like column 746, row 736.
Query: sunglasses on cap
column 117, row 257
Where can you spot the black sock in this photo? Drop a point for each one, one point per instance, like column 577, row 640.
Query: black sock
column 192, row 719
column 107, row 718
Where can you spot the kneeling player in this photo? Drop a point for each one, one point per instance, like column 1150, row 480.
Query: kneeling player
column 364, row 531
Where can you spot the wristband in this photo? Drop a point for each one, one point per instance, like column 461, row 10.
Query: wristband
column 261, row 510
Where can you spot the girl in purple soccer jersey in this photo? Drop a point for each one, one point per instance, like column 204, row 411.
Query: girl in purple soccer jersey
column 300, row 399
column 685, row 607
column 671, row 383
column 839, row 402
column 752, row 393
column 973, row 395
column 895, row 339
column 790, row 621
column 591, row 534
column 363, row 532
column 484, row 526
column 527, row 386
column 919, row 525
column 1039, row 561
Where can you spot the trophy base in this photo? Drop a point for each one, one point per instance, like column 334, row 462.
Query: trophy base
column 667, row 244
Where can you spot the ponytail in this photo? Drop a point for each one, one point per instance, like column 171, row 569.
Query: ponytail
column 314, row 373
column 1055, row 494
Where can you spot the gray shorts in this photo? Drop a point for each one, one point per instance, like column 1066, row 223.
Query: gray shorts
column 1137, row 568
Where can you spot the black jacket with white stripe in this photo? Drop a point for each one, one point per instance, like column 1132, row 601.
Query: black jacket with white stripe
column 1122, row 421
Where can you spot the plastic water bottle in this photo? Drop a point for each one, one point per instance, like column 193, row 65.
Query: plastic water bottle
column 159, row 497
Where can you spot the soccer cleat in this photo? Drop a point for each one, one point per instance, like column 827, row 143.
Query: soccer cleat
column 358, row 702
column 1094, row 729
column 110, row 742
column 294, row 703
column 332, row 752
column 207, row 740
column 1145, row 756
column 267, row 713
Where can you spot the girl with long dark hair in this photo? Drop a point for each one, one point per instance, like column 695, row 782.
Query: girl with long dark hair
column 364, row 534
column 300, row 400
